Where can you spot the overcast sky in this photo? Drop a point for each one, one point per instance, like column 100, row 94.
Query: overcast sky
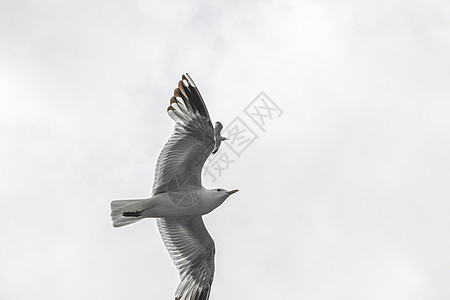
column 345, row 195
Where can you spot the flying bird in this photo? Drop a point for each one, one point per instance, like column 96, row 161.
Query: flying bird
column 178, row 198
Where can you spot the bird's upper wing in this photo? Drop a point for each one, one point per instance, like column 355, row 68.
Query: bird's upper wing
column 192, row 250
column 181, row 161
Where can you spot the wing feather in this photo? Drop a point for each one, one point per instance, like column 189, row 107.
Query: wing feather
column 192, row 250
column 180, row 163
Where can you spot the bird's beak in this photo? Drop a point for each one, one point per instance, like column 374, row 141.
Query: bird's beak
column 224, row 138
column 232, row 192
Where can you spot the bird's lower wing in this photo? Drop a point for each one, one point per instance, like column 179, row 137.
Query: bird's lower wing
column 192, row 250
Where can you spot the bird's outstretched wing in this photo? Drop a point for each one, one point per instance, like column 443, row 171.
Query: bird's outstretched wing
column 192, row 249
column 181, row 161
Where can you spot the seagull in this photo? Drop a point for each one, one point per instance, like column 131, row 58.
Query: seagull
column 178, row 199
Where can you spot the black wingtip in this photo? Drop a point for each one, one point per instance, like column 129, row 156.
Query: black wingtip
column 132, row 213
column 193, row 94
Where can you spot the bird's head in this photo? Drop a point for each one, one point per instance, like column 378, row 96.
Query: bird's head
column 222, row 193
column 217, row 196
column 217, row 129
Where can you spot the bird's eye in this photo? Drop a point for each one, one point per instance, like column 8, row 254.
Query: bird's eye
column 218, row 190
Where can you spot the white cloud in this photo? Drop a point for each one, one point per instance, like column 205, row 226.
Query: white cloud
column 343, row 197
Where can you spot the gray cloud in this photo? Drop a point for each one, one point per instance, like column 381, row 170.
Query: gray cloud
column 343, row 197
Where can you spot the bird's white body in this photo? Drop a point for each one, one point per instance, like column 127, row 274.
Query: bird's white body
column 196, row 202
column 186, row 203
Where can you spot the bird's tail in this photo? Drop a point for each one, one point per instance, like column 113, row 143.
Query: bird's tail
column 124, row 212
